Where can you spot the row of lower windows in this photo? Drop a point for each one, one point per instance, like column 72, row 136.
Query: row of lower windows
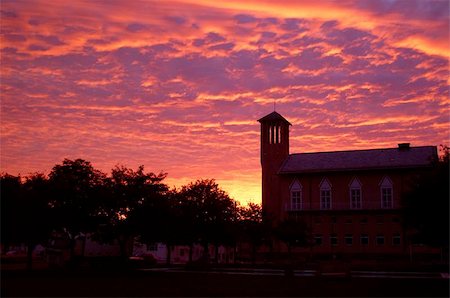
column 379, row 219
column 363, row 239
column 355, row 194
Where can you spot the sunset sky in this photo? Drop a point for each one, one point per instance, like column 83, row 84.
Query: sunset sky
column 178, row 85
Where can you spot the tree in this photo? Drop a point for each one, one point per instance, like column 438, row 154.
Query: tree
column 25, row 211
column 11, row 194
column 215, row 211
column 182, row 229
column 252, row 227
column 293, row 232
column 137, row 205
column 36, row 212
column 75, row 200
column 426, row 206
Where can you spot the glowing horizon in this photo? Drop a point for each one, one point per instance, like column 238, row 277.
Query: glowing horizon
column 178, row 86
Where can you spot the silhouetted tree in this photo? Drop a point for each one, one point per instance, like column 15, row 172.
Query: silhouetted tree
column 215, row 211
column 252, row 227
column 138, row 204
column 74, row 201
column 36, row 212
column 25, row 211
column 293, row 232
column 183, row 220
column 11, row 195
column 426, row 206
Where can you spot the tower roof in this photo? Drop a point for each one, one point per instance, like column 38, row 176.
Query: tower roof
column 274, row 116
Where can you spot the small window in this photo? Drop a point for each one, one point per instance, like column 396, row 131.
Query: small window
column 386, row 193
column 279, row 134
column 348, row 220
column 333, row 219
column 274, row 134
column 333, row 240
column 325, row 194
column 318, row 240
column 296, row 200
column 348, row 238
column 325, row 199
column 363, row 220
column 356, row 198
column 396, row 239
column 364, row 239
column 296, row 196
column 318, row 219
column 355, row 194
column 379, row 240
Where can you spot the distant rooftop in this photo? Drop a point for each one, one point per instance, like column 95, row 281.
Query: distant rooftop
column 401, row 157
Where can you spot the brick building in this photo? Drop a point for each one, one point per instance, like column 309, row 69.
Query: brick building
column 351, row 200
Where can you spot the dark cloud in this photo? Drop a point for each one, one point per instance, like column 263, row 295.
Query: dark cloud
column 15, row 37
column 223, row 46
column 291, row 24
column 177, row 20
column 244, row 18
column 358, row 49
column 348, row 35
column 34, row 22
column 50, row 39
column 36, row 47
column 8, row 14
column 267, row 22
column 136, row 27
column 213, row 37
column 329, row 25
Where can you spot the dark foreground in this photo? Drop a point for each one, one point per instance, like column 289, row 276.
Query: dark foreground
column 44, row 283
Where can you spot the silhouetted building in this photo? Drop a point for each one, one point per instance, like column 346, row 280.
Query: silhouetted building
column 351, row 200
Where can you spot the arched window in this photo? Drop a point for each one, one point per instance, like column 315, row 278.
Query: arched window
column 325, row 194
column 386, row 191
column 296, row 196
column 355, row 194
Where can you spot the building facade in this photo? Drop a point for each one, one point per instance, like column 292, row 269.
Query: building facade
column 350, row 200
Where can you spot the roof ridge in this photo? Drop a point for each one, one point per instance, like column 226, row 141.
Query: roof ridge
column 359, row 150
column 384, row 158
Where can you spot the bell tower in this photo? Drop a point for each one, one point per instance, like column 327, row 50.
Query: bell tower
column 274, row 151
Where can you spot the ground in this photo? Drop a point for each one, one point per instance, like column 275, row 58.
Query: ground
column 133, row 283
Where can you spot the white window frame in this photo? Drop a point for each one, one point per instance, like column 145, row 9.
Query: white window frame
column 296, row 193
column 355, row 194
column 334, row 236
column 365, row 236
column 316, row 237
column 325, row 195
column 347, row 237
column 396, row 236
column 386, row 193
column 380, row 237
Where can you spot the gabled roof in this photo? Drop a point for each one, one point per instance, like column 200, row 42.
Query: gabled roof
column 391, row 158
column 273, row 117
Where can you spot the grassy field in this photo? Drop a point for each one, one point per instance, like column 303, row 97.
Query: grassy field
column 45, row 283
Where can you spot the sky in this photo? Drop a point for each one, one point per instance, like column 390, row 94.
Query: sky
column 178, row 86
